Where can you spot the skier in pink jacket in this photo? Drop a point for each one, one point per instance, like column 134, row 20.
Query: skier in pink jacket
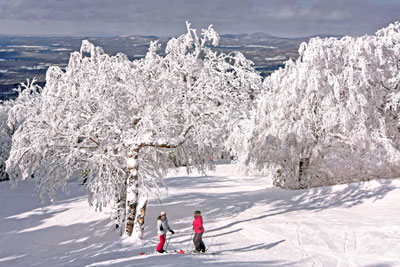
column 198, row 232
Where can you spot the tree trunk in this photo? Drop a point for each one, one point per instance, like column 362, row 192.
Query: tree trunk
column 135, row 213
column 132, row 192
column 120, row 207
column 303, row 166
column 139, row 221
column 3, row 174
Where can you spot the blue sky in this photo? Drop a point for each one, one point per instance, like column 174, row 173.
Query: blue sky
column 306, row 3
column 287, row 18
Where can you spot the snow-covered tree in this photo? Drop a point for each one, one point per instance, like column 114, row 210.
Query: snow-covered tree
column 323, row 118
column 5, row 139
column 12, row 114
column 122, row 124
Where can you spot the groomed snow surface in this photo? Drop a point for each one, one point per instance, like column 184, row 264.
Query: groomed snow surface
column 247, row 222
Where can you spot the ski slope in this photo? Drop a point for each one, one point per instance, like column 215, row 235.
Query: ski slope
column 247, row 222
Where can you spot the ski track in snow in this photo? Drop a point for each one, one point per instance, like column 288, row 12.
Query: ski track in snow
column 246, row 222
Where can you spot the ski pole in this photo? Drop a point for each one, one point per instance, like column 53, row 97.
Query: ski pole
column 189, row 241
column 169, row 238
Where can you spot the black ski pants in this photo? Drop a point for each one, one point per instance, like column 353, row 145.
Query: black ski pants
column 198, row 242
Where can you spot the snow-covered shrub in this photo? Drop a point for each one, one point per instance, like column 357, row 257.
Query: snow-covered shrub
column 124, row 123
column 323, row 119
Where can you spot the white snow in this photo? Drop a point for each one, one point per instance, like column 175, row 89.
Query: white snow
column 60, row 49
column 38, row 47
column 247, row 222
column 262, row 46
column 132, row 163
column 38, row 67
column 279, row 57
column 231, row 46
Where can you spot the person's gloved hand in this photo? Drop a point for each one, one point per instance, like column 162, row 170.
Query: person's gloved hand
column 172, row 232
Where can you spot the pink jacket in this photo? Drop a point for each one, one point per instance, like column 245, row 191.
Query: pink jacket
column 198, row 225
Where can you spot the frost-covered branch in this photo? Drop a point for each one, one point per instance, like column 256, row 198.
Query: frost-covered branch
column 170, row 143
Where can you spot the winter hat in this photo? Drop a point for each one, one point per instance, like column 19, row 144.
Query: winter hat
column 197, row 212
column 163, row 213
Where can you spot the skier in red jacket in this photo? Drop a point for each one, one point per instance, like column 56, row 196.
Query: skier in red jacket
column 198, row 232
column 162, row 228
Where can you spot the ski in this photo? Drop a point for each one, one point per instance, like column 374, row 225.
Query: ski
column 203, row 253
column 176, row 251
column 164, row 253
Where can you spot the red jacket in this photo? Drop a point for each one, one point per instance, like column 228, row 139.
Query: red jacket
column 198, row 225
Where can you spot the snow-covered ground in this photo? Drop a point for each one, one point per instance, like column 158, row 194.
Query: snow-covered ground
column 247, row 222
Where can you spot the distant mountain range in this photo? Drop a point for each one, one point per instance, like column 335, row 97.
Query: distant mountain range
column 25, row 57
